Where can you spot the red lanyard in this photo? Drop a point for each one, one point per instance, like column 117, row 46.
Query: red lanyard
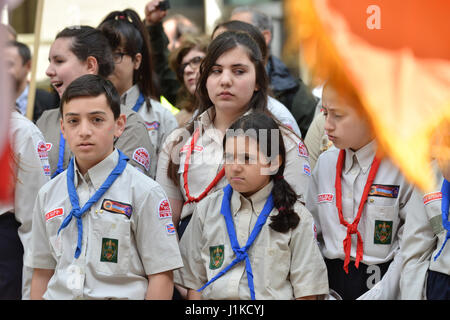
column 353, row 228
column 186, row 169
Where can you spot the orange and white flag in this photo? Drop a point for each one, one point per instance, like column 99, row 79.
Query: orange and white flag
column 394, row 57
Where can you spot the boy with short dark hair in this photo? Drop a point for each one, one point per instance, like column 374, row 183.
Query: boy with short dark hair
column 359, row 203
column 102, row 229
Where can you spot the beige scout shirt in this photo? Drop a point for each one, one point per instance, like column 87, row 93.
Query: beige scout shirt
column 424, row 236
column 207, row 159
column 316, row 140
column 133, row 142
column 381, row 216
column 285, row 265
column 118, row 251
column 159, row 121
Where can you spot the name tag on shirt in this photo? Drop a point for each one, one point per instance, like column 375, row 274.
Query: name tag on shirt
column 117, row 207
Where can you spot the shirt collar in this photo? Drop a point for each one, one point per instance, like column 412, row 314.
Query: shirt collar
column 364, row 156
column 98, row 173
column 130, row 97
column 22, row 100
column 207, row 125
column 256, row 200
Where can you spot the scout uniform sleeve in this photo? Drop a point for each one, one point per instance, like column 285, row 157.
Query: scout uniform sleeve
column 136, row 144
column 311, row 199
column 193, row 274
column 418, row 245
column 308, row 272
column 313, row 138
column 155, row 235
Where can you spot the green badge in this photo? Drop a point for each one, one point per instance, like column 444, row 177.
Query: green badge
column 216, row 255
column 383, row 232
column 110, row 248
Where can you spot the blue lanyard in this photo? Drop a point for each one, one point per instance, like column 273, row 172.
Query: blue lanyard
column 73, row 196
column 241, row 253
column 444, row 208
column 139, row 102
column 62, row 147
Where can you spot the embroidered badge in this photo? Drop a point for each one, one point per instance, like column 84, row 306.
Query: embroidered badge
column 216, row 255
column 325, row 197
column 196, row 148
column 42, row 150
column 152, row 125
column 141, row 156
column 54, row 213
column 49, row 146
column 110, row 249
column 383, row 190
column 164, row 209
column 307, row 170
column 47, row 170
column 383, row 232
column 430, row 197
column 117, row 207
column 302, row 151
column 170, row 228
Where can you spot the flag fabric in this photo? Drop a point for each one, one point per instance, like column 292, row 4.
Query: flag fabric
column 393, row 57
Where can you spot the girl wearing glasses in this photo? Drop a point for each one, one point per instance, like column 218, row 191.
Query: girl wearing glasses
column 133, row 75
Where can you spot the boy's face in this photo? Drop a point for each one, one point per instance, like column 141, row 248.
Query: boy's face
column 343, row 125
column 246, row 168
column 89, row 128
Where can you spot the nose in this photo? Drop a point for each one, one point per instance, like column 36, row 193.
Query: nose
column 328, row 125
column 85, row 129
column 50, row 72
column 225, row 79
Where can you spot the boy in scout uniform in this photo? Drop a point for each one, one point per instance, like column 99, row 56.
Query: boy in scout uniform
column 359, row 203
column 102, row 229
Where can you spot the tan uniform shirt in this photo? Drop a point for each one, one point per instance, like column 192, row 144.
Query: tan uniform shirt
column 316, row 140
column 285, row 265
column 206, row 162
column 127, row 235
column 382, row 219
column 424, row 236
column 133, row 142
column 32, row 172
column 159, row 121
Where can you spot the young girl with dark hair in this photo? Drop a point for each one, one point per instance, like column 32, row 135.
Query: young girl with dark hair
column 252, row 239
column 133, row 75
column 232, row 82
column 75, row 52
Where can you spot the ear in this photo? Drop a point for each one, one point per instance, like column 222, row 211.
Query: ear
column 92, row 65
column 120, row 125
column 137, row 61
column 28, row 65
column 267, row 36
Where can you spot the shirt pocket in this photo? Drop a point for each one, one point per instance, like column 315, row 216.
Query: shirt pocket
column 380, row 229
column 111, row 244
column 274, row 264
column 52, row 227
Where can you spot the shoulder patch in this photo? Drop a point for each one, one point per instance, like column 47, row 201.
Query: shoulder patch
column 42, row 150
column 141, row 156
column 170, row 229
column 302, row 151
column 164, row 210
column 430, row 197
column 49, row 146
column 307, row 170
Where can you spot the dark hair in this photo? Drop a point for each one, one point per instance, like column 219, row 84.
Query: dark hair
column 88, row 41
column 284, row 197
column 125, row 28
column 23, row 49
column 90, row 85
column 221, row 44
column 255, row 33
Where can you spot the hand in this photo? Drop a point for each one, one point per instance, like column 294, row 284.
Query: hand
column 152, row 14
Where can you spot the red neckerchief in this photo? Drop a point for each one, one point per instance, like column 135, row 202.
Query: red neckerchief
column 353, row 228
column 186, row 169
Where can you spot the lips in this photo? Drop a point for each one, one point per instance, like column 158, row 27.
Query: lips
column 225, row 94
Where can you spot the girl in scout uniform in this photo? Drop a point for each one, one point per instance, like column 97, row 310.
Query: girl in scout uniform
column 425, row 251
column 359, row 203
column 84, row 50
column 253, row 239
column 30, row 171
column 232, row 81
column 101, row 229
column 133, row 73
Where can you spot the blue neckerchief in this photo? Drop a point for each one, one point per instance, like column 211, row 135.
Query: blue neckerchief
column 76, row 211
column 444, row 208
column 62, row 148
column 139, row 102
column 241, row 253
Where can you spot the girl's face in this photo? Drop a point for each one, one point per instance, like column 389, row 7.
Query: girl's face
column 191, row 66
column 246, row 168
column 64, row 65
column 124, row 67
column 232, row 81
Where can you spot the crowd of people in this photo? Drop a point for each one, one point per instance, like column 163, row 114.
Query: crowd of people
column 243, row 186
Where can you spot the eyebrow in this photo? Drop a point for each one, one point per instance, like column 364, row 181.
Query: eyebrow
column 233, row 65
column 93, row 113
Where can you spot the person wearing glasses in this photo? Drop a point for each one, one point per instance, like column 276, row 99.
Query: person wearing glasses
column 133, row 75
